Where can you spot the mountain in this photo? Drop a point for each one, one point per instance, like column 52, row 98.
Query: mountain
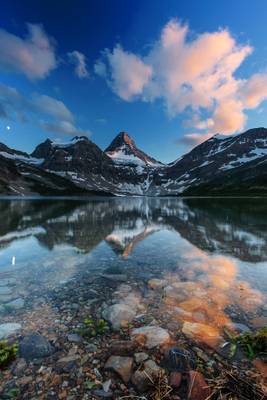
column 22, row 174
column 222, row 165
column 123, row 150
column 79, row 161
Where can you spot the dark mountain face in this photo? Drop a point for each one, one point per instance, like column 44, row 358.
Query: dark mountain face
column 79, row 155
column 220, row 165
column 43, row 150
column 123, row 150
column 235, row 165
column 22, row 178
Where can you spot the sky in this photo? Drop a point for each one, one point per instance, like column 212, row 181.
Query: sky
column 170, row 73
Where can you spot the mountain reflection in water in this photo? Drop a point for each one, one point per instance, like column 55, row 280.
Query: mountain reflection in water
column 211, row 254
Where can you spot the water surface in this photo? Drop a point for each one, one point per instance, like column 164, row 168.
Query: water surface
column 211, row 254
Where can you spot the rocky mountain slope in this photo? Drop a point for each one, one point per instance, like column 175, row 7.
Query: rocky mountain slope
column 235, row 165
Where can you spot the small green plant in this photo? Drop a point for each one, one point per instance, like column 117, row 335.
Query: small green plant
column 90, row 384
column 12, row 393
column 7, row 353
column 92, row 328
column 252, row 343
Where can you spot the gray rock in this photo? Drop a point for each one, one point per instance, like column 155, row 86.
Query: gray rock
column 91, row 348
column 139, row 358
column 9, row 329
column 34, row 346
column 143, row 378
column 121, row 365
column 75, row 338
column 106, row 385
column 101, row 394
column 119, row 315
column 153, row 335
column 237, row 327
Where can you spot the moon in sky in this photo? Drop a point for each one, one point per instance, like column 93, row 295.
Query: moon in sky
column 8, row 128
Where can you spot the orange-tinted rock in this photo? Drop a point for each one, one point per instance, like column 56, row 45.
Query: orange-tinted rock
column 261, row 366
column 121, row 365
column 197, row 386
column 175, row 379
column 202, row 333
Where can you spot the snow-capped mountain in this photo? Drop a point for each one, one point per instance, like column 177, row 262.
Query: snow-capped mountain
column 233, row 165
column 123, row 150
column 222, row 165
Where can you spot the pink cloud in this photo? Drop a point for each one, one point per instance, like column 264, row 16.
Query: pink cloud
column 33, row 56
column 255, row 90
column 190, row 74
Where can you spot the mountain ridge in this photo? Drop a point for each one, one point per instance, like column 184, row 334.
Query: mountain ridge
column 222, row 165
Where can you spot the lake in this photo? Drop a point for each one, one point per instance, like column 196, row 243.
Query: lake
column 211, row 254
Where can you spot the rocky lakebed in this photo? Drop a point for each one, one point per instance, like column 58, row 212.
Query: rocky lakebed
column 114, row 336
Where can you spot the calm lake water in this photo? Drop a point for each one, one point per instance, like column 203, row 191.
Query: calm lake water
column 211, row 253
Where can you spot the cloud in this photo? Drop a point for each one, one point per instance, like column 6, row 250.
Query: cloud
column 192, row 139
column 64, row 127
column 79, row 60
column 255, row 90
column 129, row 74
column 192, row 76
column 33, row 56
column 3, row 113
column 52, row 107
column 36, row 107
column 15, row 103
column 100, row 68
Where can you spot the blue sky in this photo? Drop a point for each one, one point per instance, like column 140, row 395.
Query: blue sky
column 169, row 73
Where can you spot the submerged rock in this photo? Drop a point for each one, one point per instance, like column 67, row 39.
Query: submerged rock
column 119, row 315
column 16, row 304
column 151, row 336
column 9, row 329
column 157, row 283
column 34, row 346
column 121, row 365
column 74, row 338
column 203, row 333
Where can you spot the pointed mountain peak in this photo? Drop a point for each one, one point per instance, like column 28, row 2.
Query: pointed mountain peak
column 43, row 149
column 123, row 150
column 123, row 138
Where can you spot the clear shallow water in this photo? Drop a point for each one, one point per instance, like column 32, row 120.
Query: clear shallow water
column 210, row 253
